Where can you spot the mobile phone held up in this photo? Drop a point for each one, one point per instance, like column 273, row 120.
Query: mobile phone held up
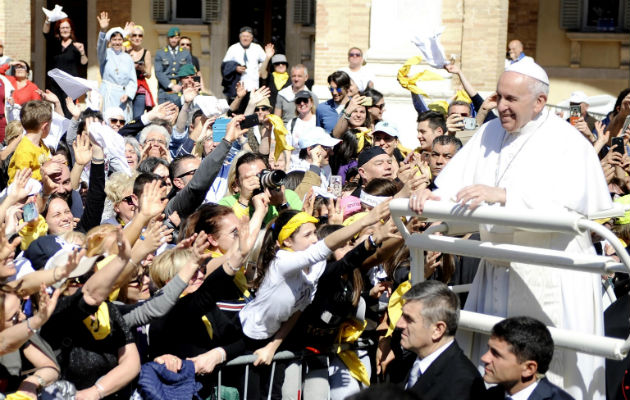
column 249, row 121
column 218, row 129
column 575, row 112
column 618, row 146
column 30, row 212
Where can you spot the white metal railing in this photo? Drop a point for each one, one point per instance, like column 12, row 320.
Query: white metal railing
column 457, row 220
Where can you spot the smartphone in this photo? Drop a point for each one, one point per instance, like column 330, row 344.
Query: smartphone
column 218, row 129
column 335, row 185
column 470, row 123
column 575, row 112
column 249, row 121
column 197, row 78
column 626, row 123
column 618, row 146
column 30, row 212
column 367, row 102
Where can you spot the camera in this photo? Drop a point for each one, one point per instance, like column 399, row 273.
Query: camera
column 270, row 179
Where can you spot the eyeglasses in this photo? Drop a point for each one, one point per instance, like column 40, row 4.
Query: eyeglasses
column 117, row 121
column 379, row 106
column 191, row 172
column 137, row 35
column 156, row 141
column 333, row 90
column 128, row 200
column 354, row 55
column 261, row 109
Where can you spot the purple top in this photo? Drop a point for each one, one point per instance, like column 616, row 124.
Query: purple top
column 343, row 170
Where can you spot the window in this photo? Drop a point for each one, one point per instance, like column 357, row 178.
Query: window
column 595, row 15
column 186, row 11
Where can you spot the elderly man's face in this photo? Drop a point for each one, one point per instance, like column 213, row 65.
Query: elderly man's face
column 517, row 105
column 157, row 144
column 246, row 39
column 378, row 167
column 515, row 48
column 298, row 77
column 416, row 335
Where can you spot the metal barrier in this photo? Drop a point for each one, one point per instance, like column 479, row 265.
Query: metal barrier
column 248, row 360
column 457, row 220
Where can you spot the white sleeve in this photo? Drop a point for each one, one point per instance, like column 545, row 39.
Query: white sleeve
column 293, row 261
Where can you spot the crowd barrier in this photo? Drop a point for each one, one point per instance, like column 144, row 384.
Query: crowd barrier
column 457, row 220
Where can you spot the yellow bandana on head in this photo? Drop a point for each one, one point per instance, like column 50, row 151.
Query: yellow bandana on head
column 409, row 83
column 461, row 95
column 280, row 133
column 349, row 332
column 439, row 106
column 279, row 79
column 98, row 324
column 293, row 224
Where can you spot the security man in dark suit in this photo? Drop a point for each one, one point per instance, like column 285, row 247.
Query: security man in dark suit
column 519, row 352
column 428, row 324
column 168, row 61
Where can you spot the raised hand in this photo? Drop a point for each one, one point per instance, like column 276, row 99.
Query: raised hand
column 82, row 149
column 257, row 95
column 151, row 202
column 73, row 108
column 21, row 188
column 270, row 50
column 103, row 20
column 240, row 90
column 233, row 130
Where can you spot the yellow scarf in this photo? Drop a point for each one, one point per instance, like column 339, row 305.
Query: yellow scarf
column 239, row 279
column 409, row 83
column 440, row 106
column 279, row 79
column 394, row 307
column 29, row 234
column 294, row 224
column 362, row 137
column 349, row 332
column 280, row 134
column 19, row 395
column 99, row 323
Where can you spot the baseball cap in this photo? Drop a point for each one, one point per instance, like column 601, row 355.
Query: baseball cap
column 369, row 153
column 303, row 94
column 317, row 135
column 386, row 127
column 578, row 97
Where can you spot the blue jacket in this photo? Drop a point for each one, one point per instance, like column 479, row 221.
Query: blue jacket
column 156, row 382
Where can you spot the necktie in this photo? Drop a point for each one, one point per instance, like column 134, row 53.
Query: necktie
column 245, row 57
column 414, row 374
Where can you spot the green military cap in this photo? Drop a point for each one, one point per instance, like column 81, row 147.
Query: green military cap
column 186, row 70
column 174, row 31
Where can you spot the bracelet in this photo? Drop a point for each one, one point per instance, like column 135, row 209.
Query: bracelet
column 98, row 160
column 373, row 243
column 229, row 265
column 28, row 326
column 100, row 389
column 223, row 354
column 41, row 382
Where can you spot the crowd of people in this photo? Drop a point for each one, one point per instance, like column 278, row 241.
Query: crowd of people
column 145, row 243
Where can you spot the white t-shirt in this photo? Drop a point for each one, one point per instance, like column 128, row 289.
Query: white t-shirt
column 288, row 286
column 299, row 129
column 360, row 77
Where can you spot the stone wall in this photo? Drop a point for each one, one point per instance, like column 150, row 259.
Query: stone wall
column 15, row 29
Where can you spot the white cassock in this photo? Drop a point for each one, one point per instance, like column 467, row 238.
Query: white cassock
column 548, row 165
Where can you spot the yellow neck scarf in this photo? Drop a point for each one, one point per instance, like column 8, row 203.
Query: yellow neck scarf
column 349, row 332
column 29, row 234
column 280, row 134
column 99, row 324
column 279, row 79
column 239, row 279
column 293, row 224
column 394, row 307
column 362, row 137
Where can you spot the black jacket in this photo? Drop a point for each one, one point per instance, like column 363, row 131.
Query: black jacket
column 450, row 376
column 544, row 391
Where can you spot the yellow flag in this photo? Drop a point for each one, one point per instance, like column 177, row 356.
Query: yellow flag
column 409, row 83
column 461, row 95
column 280, row 133
column 349, row 332
column 394, row 308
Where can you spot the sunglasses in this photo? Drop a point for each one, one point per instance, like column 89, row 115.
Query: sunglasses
column 301, row 101
column 184, row 44
column 19, row 66
column 191, row 172
column 261, row 109
column 333, row 90
column 128, row 200
column 138, row 280
column 117, row 121
column 137, row 35
column 354, row 55
column 379, row 106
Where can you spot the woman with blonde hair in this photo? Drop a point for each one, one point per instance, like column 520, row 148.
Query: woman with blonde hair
column 143, row 63
column 119, row 191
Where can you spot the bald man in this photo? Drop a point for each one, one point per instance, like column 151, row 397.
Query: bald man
column 515, row 53
column 529, row 158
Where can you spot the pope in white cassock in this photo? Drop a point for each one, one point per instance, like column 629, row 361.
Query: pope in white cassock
column 531, row 159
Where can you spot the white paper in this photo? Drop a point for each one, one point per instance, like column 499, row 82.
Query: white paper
column 55, row 14
column 211, row 106
column 113, row 145
column 74, row 86
column 428, row 42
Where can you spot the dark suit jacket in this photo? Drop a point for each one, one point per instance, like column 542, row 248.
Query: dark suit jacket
column 450, row 376
column 544, row 391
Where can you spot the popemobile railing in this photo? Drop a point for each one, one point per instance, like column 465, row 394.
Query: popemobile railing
column 458, row 220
